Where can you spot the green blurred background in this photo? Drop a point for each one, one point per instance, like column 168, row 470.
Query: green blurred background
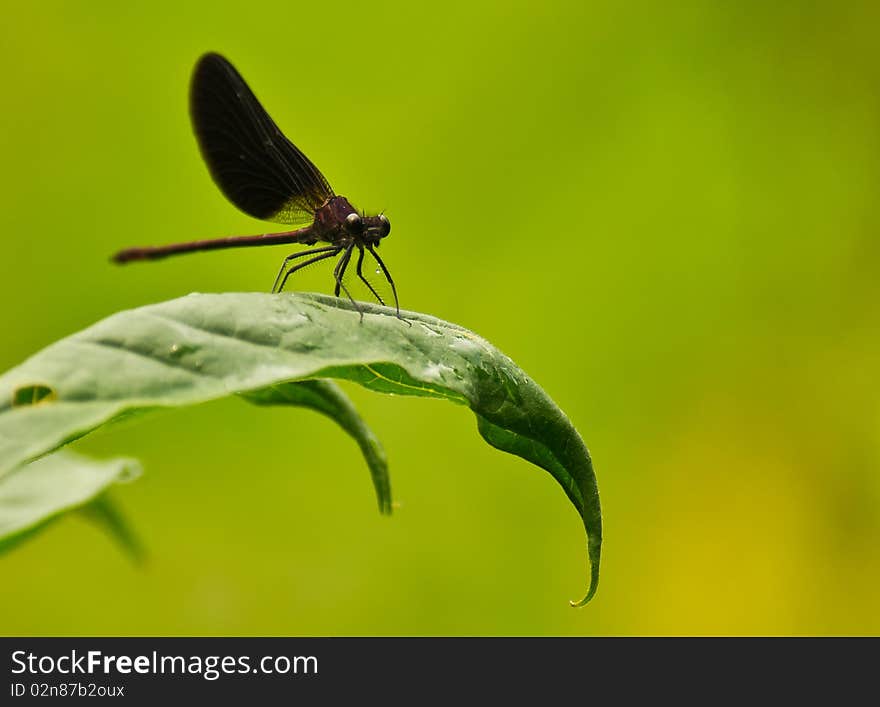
column 665, row 213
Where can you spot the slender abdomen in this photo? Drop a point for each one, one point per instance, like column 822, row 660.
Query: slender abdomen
column 302, row 235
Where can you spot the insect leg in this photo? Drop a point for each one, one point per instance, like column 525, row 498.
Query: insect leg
column 339, row 273
column 301, row 254
column 339, row 270
column 292, row 270
column 387, row 277
column 361, row 275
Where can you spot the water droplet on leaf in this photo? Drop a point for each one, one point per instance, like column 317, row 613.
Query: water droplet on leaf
column 33, row 394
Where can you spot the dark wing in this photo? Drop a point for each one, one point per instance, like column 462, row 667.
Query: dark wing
column 256, row 167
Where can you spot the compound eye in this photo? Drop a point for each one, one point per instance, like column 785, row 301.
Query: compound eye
column 385, row 226
column 353, row 223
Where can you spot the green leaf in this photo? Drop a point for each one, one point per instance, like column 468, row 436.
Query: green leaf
column 326, row 397
column 206, row 346
column 34, row 495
